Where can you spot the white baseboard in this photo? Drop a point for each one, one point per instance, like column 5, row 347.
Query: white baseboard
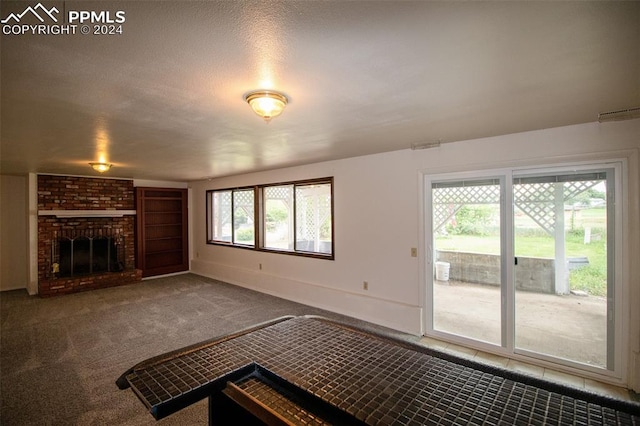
column 387, row 313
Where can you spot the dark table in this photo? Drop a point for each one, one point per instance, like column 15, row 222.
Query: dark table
column 311, row 370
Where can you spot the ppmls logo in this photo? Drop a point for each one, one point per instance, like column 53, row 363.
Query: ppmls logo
column 102, row 22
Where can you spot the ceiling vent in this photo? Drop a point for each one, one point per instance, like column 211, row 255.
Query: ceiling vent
column 426, row 145
column 623, row 114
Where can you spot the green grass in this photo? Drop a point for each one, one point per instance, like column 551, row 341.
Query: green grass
column 531, row 242
column 534, row 246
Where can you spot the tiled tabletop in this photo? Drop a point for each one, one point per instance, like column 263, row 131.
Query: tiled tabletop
column 374, row 378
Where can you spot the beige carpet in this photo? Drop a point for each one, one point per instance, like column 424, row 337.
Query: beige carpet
column 60, row 357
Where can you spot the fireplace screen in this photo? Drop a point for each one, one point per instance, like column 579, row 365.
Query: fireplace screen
column 86, row 254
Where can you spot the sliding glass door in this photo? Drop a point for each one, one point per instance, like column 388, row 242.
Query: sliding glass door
column 467, row 252
column 564, row 247
column 522, row 261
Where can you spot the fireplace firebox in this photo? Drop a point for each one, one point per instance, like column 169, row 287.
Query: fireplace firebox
column 87, row 253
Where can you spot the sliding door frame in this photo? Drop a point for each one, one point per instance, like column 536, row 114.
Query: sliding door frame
column 618, row 352
column 506, row 247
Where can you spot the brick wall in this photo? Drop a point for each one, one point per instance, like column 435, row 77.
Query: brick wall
column 80, row 193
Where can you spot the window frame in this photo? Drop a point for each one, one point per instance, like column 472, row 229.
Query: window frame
column 209, row 199
column 259, row 215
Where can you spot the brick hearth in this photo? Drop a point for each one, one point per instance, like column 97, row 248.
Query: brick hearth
column 79, row 193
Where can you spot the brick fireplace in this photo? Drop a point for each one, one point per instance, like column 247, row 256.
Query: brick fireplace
column 85, row 234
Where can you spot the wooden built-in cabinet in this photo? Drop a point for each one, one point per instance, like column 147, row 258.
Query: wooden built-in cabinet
column 161, row 231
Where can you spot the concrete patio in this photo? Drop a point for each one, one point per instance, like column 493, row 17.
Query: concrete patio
column 565, row 326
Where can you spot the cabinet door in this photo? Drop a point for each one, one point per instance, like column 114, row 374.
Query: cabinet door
column 161, row 232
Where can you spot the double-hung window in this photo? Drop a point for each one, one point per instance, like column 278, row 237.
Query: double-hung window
column 292, row 217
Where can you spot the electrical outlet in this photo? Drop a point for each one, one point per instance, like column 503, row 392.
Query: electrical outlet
column 260, row 266
column 198, row 254
column 414, row 252
column 365, row 285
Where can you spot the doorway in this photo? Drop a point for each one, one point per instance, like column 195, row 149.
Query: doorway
column 523, row 261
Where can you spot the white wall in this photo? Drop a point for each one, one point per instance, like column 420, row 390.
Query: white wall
column 375, row 221
column 13, row 232
column 378, row 220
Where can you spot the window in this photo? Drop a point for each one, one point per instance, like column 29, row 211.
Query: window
column 232, row 216
column 297, row 217
column 292, row 218
column 278, row 217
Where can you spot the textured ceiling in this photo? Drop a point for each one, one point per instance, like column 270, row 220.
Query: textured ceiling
column 164, row 100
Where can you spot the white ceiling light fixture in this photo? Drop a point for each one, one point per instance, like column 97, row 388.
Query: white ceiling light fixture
column 100, row 167
column 266, row 103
